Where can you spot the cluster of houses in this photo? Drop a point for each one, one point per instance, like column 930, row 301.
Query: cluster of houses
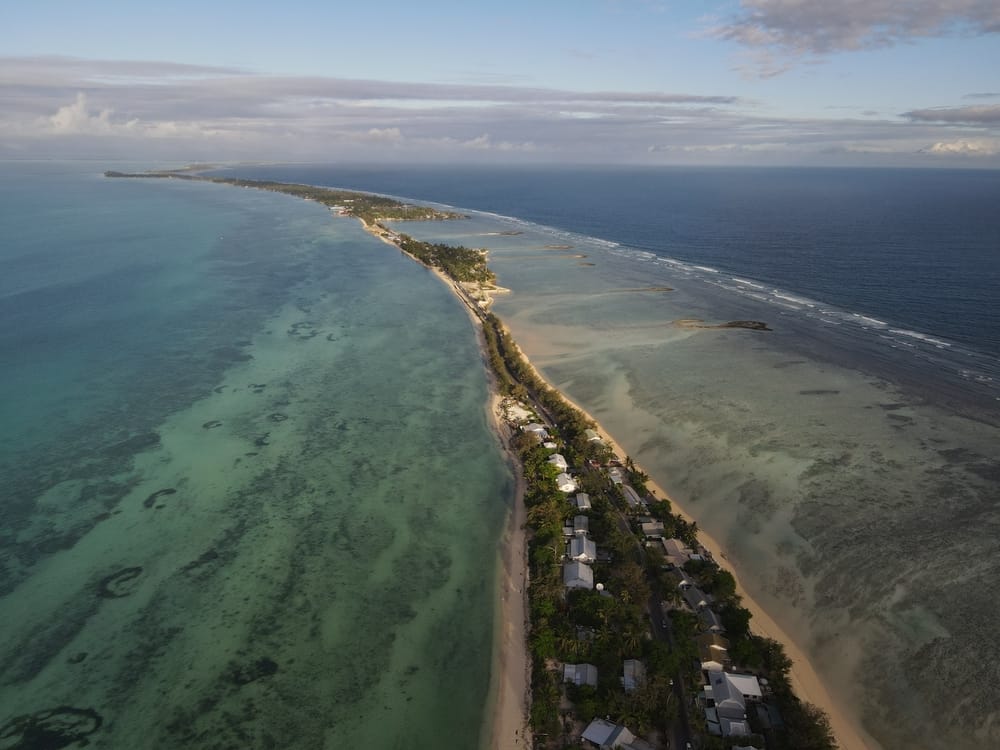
column 726, row 697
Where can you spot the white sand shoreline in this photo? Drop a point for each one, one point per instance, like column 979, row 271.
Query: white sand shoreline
column 510, row 716
column 805, row 683
column 510, row 683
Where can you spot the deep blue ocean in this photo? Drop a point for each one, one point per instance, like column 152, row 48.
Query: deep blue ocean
column 915, row 249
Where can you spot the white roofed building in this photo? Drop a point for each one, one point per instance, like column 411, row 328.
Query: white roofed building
column 566, row 483
column 582, row 501
column 559, row 461
column 582, row 549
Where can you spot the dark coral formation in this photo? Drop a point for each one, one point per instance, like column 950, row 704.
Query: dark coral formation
column 119, row 584
column 247, row 673
column 50, row 729
column 151, row 500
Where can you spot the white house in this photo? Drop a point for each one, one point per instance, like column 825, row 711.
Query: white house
column 726, row 697
column 592, row 436
column 582, row 549
column 578, row 575
column 566, row 483
column 580, row 674
column 559, row 461
column 616, row 476
column 582, row 501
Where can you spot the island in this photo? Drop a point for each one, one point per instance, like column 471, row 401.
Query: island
column 622, row 629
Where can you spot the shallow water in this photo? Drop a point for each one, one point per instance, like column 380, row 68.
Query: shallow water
column 255, row 504
column 853, row 488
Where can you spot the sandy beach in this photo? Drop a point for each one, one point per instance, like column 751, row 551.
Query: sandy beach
column 804, row 680
column 510, row 684
column 512, row 673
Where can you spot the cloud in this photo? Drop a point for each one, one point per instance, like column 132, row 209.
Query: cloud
column 977, row 147
column 983, row 95
column 75, row 119
column 797, row 29
column 980, row 115
column 53, row 107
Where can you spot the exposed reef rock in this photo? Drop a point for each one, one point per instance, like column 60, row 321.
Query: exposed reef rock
column 752, row 325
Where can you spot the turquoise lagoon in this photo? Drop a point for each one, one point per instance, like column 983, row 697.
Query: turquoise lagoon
column 251, row 494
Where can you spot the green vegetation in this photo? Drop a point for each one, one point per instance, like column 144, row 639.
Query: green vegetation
column 588, row 626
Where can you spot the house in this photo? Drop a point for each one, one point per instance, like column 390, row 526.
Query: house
column 578, row 575
column 713, row 652
column 582, row 501
column 559, row 461
column 592, row 436
column 726, row 698
column 606, row 735
column 549, row 445
column 653, row 529
column 633, row 674
column 565, row 483
column 746, row 685
column 675, row 553
column 582, row 549
column 581, row 525
column 696, row 599
column 580, row 674
column 538, row 430
column 616, row 476
column 710, row 621
column 631, row 497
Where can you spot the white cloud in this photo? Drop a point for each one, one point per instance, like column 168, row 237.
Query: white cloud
column 966, row 147
column 75, row 119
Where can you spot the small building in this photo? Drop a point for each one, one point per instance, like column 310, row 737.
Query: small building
column 713, row 652
column 581, row 525
column 710, row 621
column 632, row 497
column 582, row 549
column 633, row 674
column 605, row 735
column 580, row 674
column 559, row 461
column 746, row 685
column 566, row 483
column 653, row 529
column 675, row 553
column 578, row 575
column 582, row 501
column 616, row 476
column 536, row 429
column 549, row 445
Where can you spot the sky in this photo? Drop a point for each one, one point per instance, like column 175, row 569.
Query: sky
column 720, row 82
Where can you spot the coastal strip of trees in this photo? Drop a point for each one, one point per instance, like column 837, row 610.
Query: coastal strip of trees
column 584, row 625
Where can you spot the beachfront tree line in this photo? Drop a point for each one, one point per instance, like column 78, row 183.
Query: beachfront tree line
column 585, row 626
